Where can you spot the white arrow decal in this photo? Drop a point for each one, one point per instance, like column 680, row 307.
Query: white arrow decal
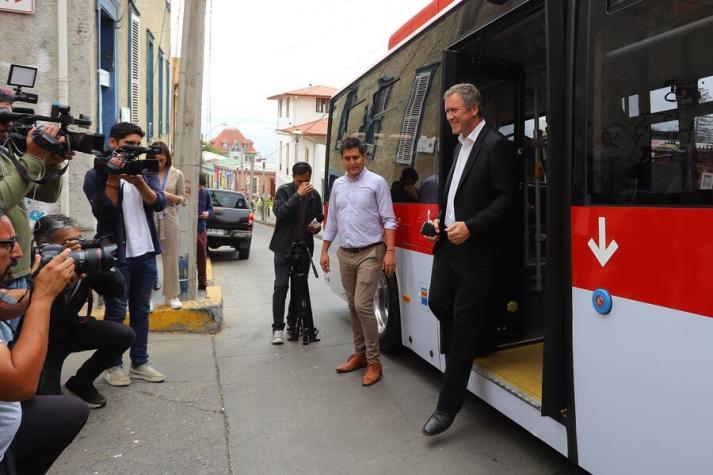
column 603, row 252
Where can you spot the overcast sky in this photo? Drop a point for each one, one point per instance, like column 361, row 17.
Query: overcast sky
column 262, row 48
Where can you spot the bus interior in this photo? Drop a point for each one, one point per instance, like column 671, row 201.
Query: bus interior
column 507, row 62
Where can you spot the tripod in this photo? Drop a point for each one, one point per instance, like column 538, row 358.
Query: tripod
column 299, row 315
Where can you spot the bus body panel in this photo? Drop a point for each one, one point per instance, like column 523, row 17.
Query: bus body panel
column 642, row 376
column 544, row 428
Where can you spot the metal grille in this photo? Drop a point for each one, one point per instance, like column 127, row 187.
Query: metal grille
column 406, row 151
column 134, row 69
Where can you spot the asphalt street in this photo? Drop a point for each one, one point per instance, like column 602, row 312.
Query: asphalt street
column 234, row 403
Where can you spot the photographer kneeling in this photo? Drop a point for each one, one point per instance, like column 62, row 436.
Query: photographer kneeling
column 42, row 426
column 70, row 332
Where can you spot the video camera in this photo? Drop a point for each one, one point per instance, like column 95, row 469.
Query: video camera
column 96, row 255
column 132, row 164
column 23, row 120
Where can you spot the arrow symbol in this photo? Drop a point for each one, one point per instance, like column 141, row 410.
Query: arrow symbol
column 603, row 252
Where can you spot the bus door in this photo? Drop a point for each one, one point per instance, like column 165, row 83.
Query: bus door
column 641, row 236
column 507, row 62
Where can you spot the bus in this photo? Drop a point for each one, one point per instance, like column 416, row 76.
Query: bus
column 602, row 307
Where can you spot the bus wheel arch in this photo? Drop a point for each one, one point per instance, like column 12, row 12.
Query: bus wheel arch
column 388, row 314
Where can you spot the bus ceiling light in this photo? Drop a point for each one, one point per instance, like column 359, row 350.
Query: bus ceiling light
column 602, row 301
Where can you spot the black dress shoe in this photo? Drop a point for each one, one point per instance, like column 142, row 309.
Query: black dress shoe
column 438, row 422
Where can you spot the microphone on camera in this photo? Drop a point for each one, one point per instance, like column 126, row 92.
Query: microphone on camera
column 7, row 115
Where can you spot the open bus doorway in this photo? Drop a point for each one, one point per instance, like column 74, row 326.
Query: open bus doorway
column 507, row 62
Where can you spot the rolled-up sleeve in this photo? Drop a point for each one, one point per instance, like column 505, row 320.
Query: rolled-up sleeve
column 386, row 207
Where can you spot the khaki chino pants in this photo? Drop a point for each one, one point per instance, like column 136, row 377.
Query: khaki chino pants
column 360, row 273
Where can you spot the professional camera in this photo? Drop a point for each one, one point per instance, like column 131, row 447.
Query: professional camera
column 95, row 255
column 132, row 164
column 23, row 120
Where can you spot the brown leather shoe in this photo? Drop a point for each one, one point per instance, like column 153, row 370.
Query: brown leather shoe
column 353, row 363
column 373, row 374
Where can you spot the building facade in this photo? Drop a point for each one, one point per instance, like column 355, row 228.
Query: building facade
column 302, row 117
column 81, row 50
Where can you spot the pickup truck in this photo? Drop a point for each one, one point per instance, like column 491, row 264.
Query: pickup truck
column 231, row 223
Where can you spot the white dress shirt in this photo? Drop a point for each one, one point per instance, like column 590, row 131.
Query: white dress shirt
column 466, row 145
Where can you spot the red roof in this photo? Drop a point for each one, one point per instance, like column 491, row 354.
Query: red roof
column 315, row 128
column 311, row 91
column 227, row 138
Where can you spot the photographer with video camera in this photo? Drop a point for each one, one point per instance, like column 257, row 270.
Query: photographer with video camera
column 16, row 183
column 124, row 201
column 69, row 331
column 39, row 427
column 298, row 209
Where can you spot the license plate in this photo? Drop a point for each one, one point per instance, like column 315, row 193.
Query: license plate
column 217, row 232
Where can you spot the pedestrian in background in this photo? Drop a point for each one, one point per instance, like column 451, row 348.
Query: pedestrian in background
column 173, row 186
column 361, row 212
column 205, row 211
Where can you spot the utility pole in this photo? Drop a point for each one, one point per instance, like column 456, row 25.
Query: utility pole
column 188, row 129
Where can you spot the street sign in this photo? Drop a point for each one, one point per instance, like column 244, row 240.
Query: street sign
column 18, row 6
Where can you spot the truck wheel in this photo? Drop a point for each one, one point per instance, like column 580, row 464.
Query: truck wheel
column 388, row 314
column 244, row 250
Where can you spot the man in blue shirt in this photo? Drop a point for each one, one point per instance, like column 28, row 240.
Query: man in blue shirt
column 124, row 207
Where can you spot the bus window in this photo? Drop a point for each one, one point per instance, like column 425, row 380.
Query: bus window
column 644, row 116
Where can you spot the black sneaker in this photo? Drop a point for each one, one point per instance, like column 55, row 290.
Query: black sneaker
column 86, row 392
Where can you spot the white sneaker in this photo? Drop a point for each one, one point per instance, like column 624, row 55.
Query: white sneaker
column 174, row 303
column 117, row 376
column 151, row 306
column 277, row 338
column 147, row 373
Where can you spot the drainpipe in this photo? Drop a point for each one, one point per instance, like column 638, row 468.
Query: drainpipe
column 63, row 86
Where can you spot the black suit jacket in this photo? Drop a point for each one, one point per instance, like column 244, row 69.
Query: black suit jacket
column 486, row 196
column 286, row 209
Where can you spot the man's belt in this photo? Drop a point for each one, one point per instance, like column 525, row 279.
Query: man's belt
column 360, row 249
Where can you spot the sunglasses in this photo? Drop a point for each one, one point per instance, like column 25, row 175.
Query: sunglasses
column 8, row 243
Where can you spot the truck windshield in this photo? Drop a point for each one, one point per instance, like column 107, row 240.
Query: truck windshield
column 226, row 199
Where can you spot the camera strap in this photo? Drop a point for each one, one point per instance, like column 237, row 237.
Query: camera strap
column 40, row 181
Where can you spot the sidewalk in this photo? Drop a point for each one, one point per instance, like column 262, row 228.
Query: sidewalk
column 174, row 427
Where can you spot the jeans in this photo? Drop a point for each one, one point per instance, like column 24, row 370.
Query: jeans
column 139, row 275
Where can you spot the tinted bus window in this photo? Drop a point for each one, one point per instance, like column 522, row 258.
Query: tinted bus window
column 395, row 107
column 644, row 116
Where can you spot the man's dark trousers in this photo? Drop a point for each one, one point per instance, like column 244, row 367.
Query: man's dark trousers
column 459, row 293
column 279, row 294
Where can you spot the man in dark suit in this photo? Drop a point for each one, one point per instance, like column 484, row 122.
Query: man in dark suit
column 297, row 205
column 479, row 196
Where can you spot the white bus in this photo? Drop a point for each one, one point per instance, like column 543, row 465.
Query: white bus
column 603, row 307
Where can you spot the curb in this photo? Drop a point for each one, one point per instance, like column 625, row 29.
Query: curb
column 197, row 316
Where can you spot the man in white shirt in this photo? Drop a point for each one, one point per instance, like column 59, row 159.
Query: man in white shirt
column 124, row 207
column 479, row 196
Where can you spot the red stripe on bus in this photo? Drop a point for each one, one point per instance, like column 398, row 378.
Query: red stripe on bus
column 418, row 20
column 664, row 255
column 410, row 217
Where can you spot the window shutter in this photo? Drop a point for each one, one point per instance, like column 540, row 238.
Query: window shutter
column 406, row 151
column 134, row 68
